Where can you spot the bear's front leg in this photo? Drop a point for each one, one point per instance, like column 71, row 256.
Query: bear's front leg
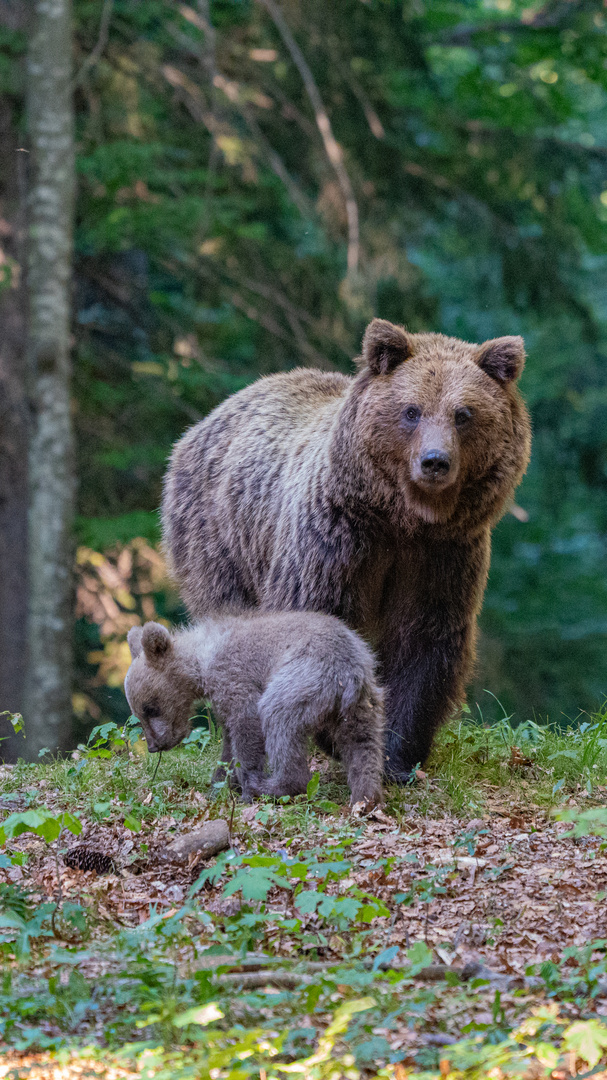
column 423, row 685
column 427, row 648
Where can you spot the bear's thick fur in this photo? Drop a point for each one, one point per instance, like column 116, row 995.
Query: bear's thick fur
column 371, row 498
column 273, row 679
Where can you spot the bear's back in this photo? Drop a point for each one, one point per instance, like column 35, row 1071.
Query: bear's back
column 309, row 652
column 238, row 470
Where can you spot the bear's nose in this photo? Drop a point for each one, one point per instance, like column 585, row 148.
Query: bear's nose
column 435, row 463
column 151, row 740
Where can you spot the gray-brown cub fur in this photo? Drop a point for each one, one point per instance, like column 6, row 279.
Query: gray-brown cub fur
column 273, row 680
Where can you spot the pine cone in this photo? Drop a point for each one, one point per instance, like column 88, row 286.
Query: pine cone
column 82, row 857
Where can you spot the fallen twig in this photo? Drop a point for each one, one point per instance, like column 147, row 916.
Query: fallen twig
column 430, row 973
column 306, row 970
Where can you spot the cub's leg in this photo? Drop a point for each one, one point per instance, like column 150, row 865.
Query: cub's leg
column 248, row 751
column 284, row 725
column 227, row 759
column 358, row 738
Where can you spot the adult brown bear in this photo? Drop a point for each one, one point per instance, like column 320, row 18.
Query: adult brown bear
column 371, row 498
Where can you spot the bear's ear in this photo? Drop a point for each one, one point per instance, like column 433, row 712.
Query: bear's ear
column 384, row 347
column 156, row 642
column 502, row 359
column 134, row 640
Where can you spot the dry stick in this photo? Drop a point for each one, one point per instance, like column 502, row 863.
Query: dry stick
column 375, row 125
column 157, row 765
column 291, row 979
column 95, row 55
column 332, row 147
column 430, row 973
column 233, row 798
column 207, row 270
column 214, row 82
column 59, row 889
column 216, row 124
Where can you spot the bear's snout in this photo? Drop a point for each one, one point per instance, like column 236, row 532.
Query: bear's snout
column 159, row 735
column 435, row 456
column 435, row 463
column 435, row 468
column 151, row 739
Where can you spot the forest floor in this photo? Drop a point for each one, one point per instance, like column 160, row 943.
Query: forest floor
column 460, row 931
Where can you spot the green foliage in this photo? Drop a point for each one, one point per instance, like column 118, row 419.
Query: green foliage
column 590, row 822
column 312, row 787
column 108, row 739
column 559, row 759
column 41, row 822
column 16, row 721
column 254, row 876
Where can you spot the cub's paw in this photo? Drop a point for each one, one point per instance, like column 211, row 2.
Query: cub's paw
column 364, row 804
column 279, row 788
column 253, row 787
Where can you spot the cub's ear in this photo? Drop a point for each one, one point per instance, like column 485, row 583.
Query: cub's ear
column 384, row 347
column 134, row 639
column 502, row 359
column 156, row 642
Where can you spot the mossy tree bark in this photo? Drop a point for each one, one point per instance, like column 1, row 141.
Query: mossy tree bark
column 51, row 469
column 13, row 416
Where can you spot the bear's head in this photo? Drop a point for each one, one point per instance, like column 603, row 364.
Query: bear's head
column 442, row 420
column 158, row 689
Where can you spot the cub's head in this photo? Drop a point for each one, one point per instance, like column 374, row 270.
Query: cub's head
column 157, row 688
column 442, row 419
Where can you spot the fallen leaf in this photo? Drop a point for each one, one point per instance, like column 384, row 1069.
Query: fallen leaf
column 377, row 814
column 517, row 821
column 518, row 759
column 444, row 955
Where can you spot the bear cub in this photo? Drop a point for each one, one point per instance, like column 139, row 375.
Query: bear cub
column 273, row 679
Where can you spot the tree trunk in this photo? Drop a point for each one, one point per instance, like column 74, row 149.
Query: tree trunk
column 48, row 711
column 13, row 416
column 13, row 446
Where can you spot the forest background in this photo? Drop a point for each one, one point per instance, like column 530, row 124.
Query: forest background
column 255, row 181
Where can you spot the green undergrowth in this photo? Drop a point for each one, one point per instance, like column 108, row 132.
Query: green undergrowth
column 171, row 995
column 542, row 763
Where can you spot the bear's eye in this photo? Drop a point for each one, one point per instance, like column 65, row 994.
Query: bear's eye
column 149, row 710
column 462, row 416
column 412, row 414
